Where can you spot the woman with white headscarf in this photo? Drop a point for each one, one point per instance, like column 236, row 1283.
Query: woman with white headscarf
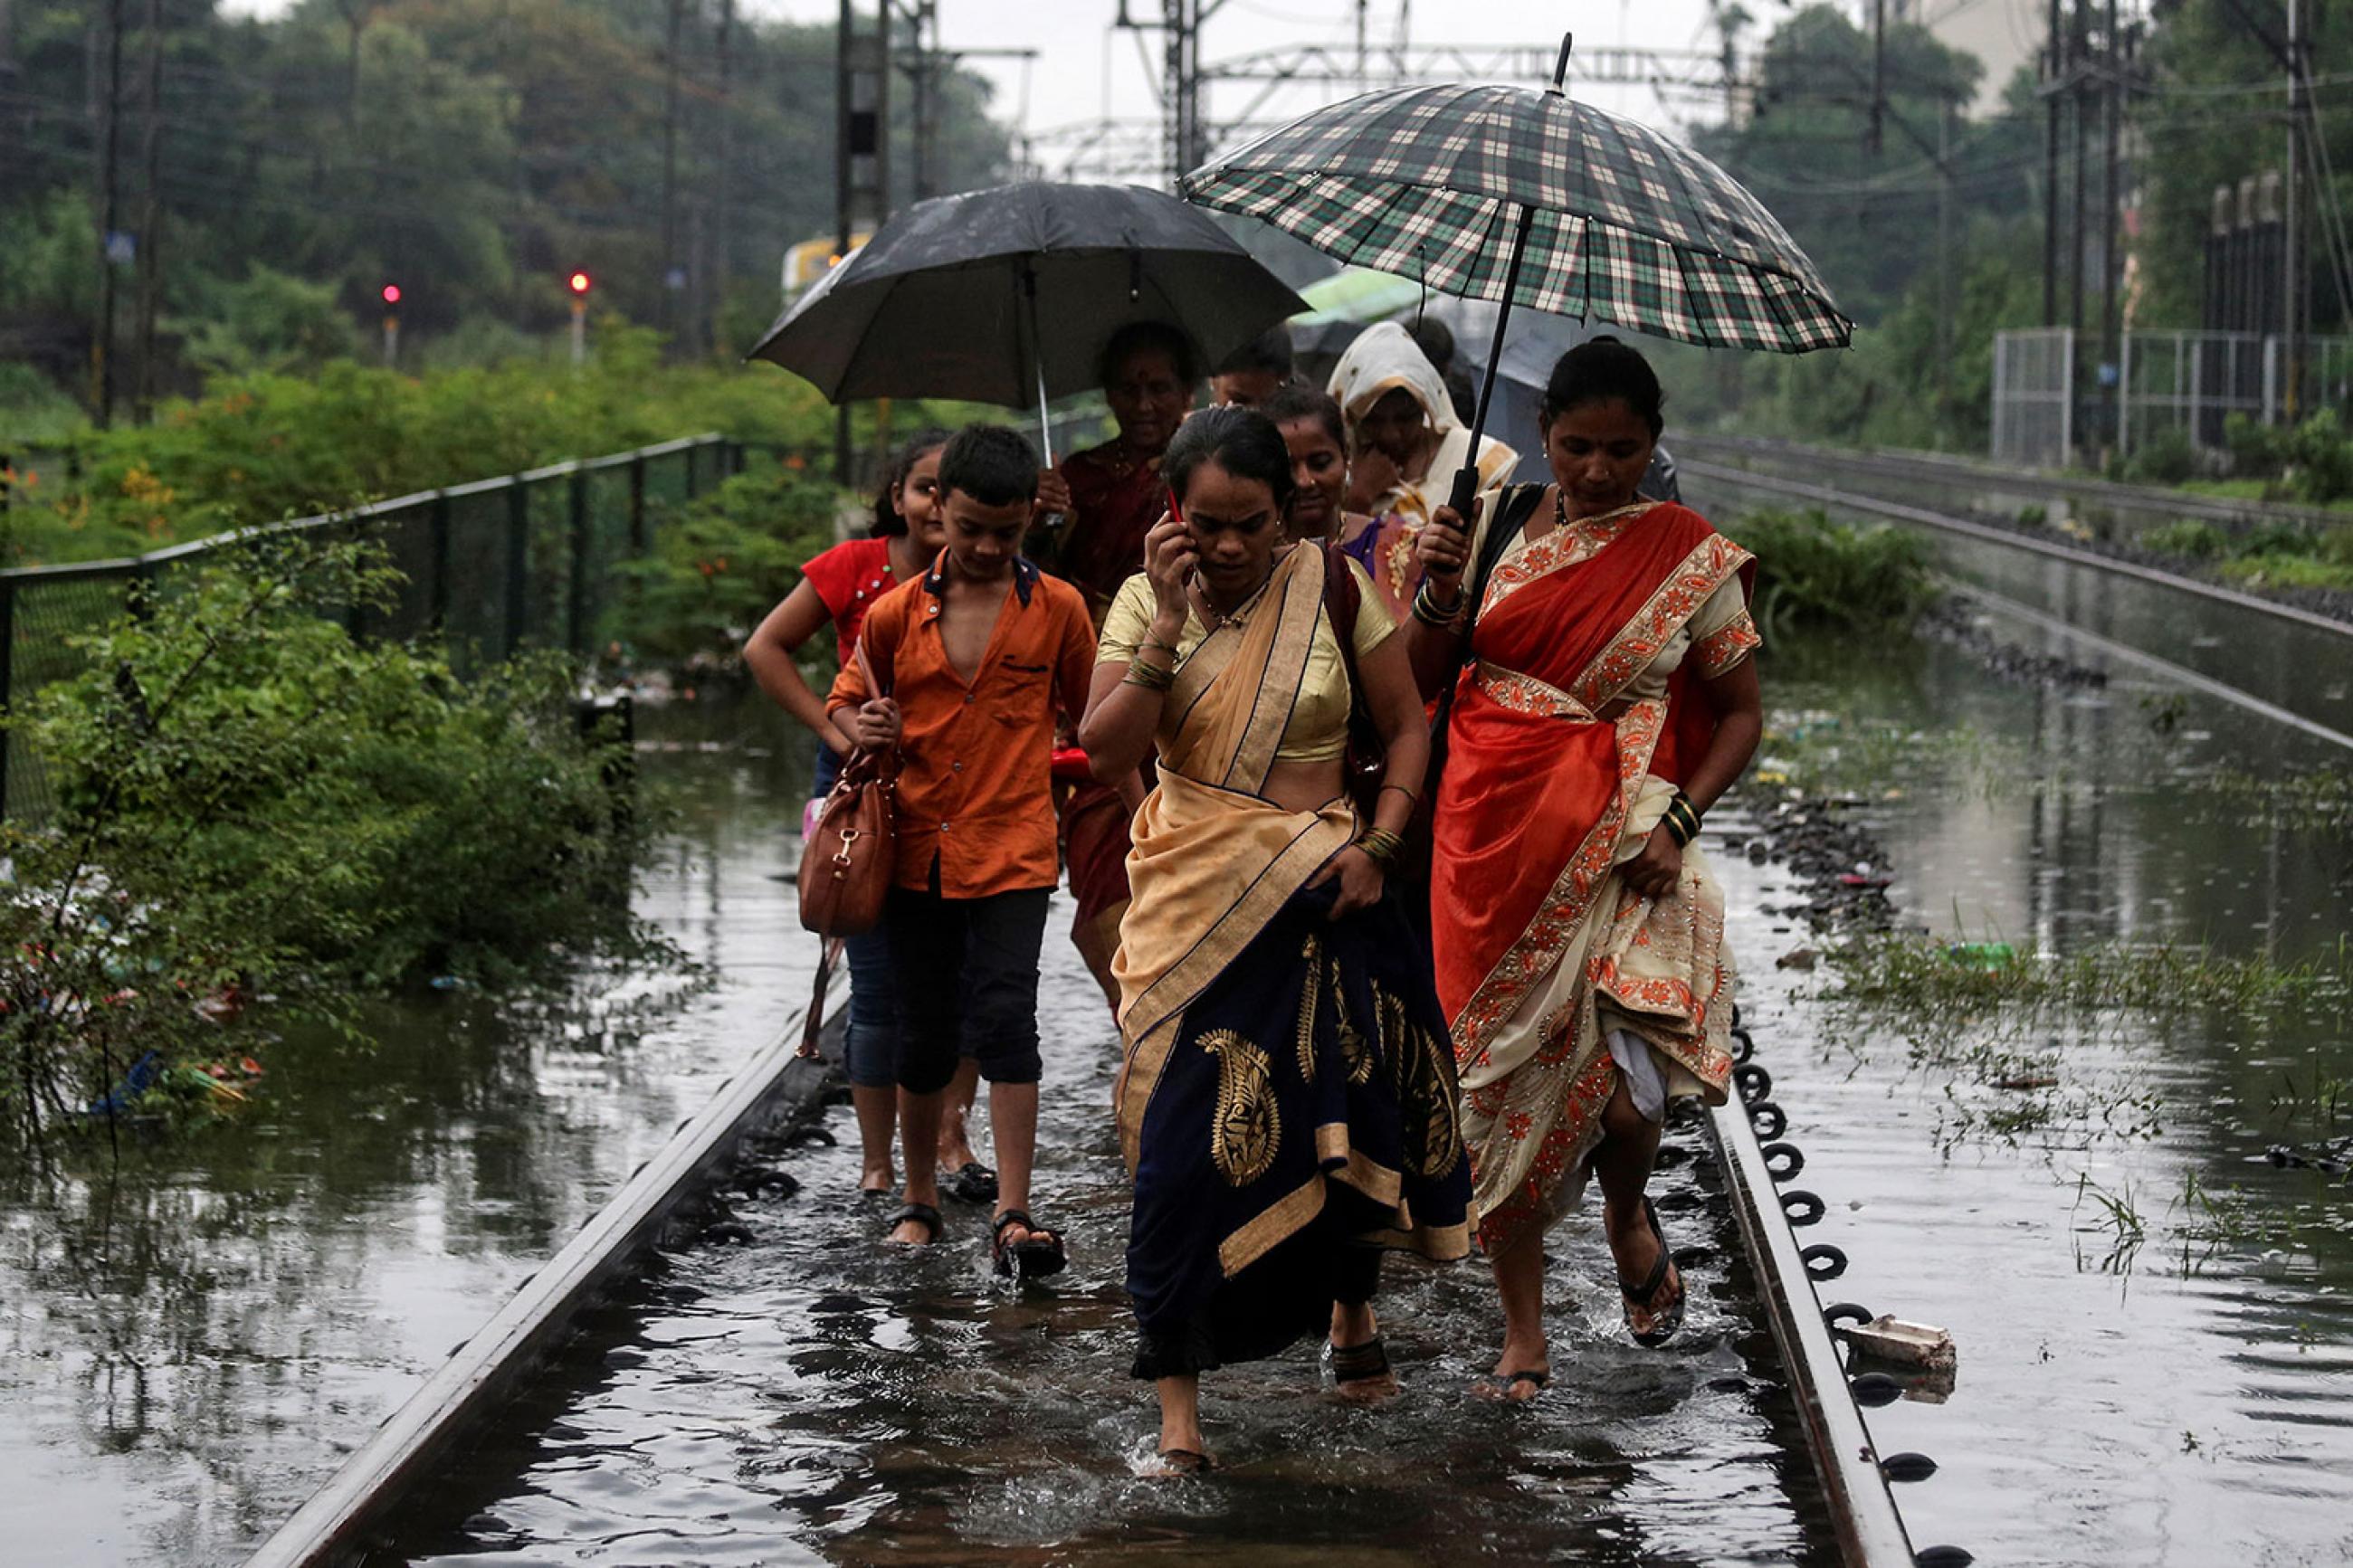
column 1405, row 445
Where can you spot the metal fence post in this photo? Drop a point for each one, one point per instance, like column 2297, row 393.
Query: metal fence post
column 577, row 611
column 7, row 678
column 518, row 560
column 636, row 503
column 436, row 586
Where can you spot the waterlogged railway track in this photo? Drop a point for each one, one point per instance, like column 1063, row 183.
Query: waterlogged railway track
column 472, row 1466
column 2284, row 663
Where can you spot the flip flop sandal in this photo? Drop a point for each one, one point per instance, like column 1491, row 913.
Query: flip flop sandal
column 1367, row 1362
column 1035, row 1256
column 1504, row 1384
column 1178, row 1463
column 973, row 1182
column 1666, row 1319
column 923, row 1215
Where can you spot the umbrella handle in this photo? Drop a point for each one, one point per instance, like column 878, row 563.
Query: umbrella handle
column 1052, row 520
column 1466, row 479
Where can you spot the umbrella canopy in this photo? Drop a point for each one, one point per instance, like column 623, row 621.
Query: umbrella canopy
column 940, row 302
column 1626, row 225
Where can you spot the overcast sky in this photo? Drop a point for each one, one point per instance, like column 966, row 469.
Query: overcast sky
column 1085, row 67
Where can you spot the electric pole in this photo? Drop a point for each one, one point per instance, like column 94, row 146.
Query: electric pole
column 2054, row 52
column 151, row 216
column 2292, row 304
column 723, row 183
column 2112, row 205
column 861, row 142
column 669, row 277
column 101, row 351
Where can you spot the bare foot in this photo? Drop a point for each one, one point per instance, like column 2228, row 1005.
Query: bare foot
column 878, row 1181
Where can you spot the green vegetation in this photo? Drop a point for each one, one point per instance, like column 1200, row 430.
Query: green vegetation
column 2277, row 557
column 724, row 560
column 1936, row 977
column 250, row 804
column 1811, row 571
column 259, row 447
column 471, row 152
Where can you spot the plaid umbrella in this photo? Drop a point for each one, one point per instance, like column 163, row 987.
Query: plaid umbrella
column 1528, row 198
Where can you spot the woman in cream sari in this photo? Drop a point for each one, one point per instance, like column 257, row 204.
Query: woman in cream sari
column 1287, row 1104
column 1606, row 699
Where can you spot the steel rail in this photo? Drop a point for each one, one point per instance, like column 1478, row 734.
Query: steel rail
column 482, row 1374
column 1870, row 1531
column 1947, row 467
column 1904, row 511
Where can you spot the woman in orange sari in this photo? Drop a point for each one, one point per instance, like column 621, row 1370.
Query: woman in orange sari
column 1603, row 697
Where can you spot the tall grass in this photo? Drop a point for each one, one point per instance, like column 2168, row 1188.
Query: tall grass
column 1814, row 571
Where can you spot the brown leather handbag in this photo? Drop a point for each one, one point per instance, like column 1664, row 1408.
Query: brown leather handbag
column 846, row 867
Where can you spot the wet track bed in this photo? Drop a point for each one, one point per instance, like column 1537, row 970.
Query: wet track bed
column 193, row 1337
column 820, row 1395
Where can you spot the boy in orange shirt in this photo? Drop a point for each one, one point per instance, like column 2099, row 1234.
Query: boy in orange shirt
column 973, row 659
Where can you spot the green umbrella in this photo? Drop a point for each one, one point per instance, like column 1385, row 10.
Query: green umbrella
column 1526, row 197
column 1358, row 294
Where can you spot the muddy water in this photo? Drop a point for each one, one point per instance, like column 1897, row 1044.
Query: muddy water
column 819, row 1396
column 2155, row 1323
column 193, row 1336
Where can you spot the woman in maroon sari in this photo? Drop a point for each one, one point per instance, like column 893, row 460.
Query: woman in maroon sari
column 1605, row 698
column 1112, row 495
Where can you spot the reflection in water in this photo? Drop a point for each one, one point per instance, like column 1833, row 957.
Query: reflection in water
column 191, row 1338
column 820, row 1395
column 2155, row 1330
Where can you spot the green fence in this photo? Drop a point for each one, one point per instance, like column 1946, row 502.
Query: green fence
column 488, row 567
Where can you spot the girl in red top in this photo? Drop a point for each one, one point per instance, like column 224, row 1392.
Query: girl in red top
column 840, row 585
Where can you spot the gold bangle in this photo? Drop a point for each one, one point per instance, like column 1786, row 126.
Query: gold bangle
column 1410, row 795
column 1151, row 678
column 1380, row 846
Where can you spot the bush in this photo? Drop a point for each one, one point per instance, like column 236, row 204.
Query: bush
column 1812, row 571
column 2190, row 538
column 250, row 803
column 2321, row 458
column 2257, row 451
column 724, row 560
column 2165, row 458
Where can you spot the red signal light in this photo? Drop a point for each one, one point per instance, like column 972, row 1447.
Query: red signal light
column 579, row 282
column 392, row 293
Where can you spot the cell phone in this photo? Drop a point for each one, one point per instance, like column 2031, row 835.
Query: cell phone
column 1175, row 507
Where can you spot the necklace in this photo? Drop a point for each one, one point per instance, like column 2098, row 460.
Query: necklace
column 1213, row 617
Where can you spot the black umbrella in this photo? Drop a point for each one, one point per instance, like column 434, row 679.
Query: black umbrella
column 946, row 299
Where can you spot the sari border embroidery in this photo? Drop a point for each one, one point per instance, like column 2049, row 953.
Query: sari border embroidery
column 1520, row 693
column 1302, row 580
column 1724, row 647
column 1580, row 541
column 1674, row 600
column 1272, row 1225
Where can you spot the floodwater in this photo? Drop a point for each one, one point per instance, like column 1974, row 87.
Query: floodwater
column 192, row 1339
column 818, row 1395
column 2155, row 1322
column 2304, row 670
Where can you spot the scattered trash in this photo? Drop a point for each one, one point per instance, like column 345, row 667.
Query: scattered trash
column 1988, row 956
